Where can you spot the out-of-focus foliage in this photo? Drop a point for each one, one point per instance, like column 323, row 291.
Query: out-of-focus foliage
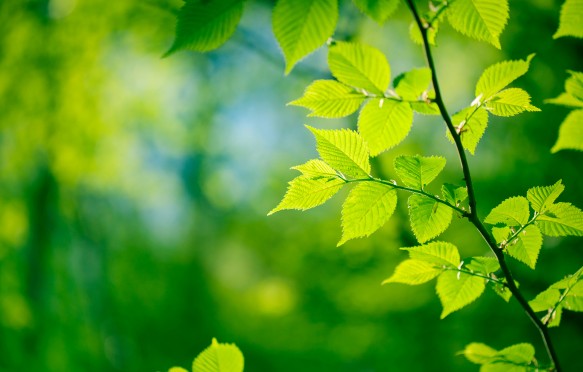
column 133, row 194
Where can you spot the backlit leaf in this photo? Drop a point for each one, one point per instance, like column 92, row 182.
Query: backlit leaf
column 541, row 198
column 302, row 26
column 368, row 206
column 570, row 133
column 305, row 193
column 565, row 99
column 526, row 247
column 484, row 265
column 219, row 358
column 330, row 99
column 206, row 25
column 379, row 10
column 454, row 194
column 384, row 123
column 457, row 289
column 510, row 102
column 479, row 19
column 428, row 217
column 574, row 85
column 479, row 353
column 571, row 19
column 316, row 168
column 511, row 212
column 499, row 76
column 414, row 272
column 411, row 84
column 437, row 253
column 471, row 124
column 418, row 171
column 360, row 66
column 561, row 219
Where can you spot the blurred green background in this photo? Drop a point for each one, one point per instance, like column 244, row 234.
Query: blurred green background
column 134, row 193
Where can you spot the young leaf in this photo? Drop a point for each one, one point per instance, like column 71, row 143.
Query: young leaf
column 360, row 66
column 511, row 212
column 416, row 36
column 526, row 246
column 570, row 133
column 501, row 234
column 367, row 208
column 515, row 358
column 428, row 217
column 302, row 26
column 454, row 194
column 418, row 171
column 304, row 193
column 177, row 369
column 570, row 20
column 561, row 219
column 344, row 150
column 384, row 123
column 500, row 290
column 471, row 124
column 499, row 76
column 510, row 102
column 379, row 10
column 457, row 289
column 330, row 99
column 565, row 99
column 425, row 108
column 479, row 353
column 541, row 198
column 219, row 358
column 414, row 272
column 479, row 19
column 206, row 25
column 411, row 84
column 316, row 168
column 517, row 354
column 574, row 85
column 436, row 253
column 484, row 265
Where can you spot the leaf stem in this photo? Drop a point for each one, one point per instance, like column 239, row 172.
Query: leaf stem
column 473, row 273
column 472, row 215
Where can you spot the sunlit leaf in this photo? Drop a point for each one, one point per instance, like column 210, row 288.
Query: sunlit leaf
column 574, row 84
column 457, row 290
column 561, row 219
column 379, row 10
column 384, row 123
column 479, row 353
column 304, row 193
column 418, row 171
column 415, row 33
column 484, row 265
column 437, row 253
column 428, row 217
column 219, row 358
column 565, row 99
column 330, row 99
column 414, row 272
column 570, row 133
column 511, row 212
column 411, row 84
column 480, row 19
column 368, row 206
column 571, row 19
column 526, row 247
column 471, row 124
column 499, row 76
column 302, row 26
column 316, row 168
column 541, row 198
column 454, row 194
column 510, row 102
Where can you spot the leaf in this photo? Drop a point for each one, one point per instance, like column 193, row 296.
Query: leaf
column 545, row 300
column 565, row 99
column 418, row 171
column 500, row 290
column 379, row 10
column 571, row 19
column 412, row 84
column 302, row 26
column 316, row 168
column 177, row 369
column 417, row 38
column 330, row 99
column 526, row 247
column 456, row 290
column 367, row 208
column 454, row 194
column 384, row 123
column 344, row 150
column 479, row 353
column 206, row 25
column 541, row 198
column 510, row 102
column 425, row 108
column 360, row 66
column 570, row 133
column 471, row 124
column 574, row 85
column 501, row 234
column 511, row 212
column 574, row 298
column 484, row 265
column 428, row 217
column 414, row 272
column 304, row 193
column 479, row 19
column 517, row 354
column 219, row 358
column 499, row 76
column 561, row 219
column 437, row 253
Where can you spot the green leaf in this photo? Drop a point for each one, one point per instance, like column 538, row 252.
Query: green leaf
column 545, row 300
column 367, row 208
column 511, row 212
column 517, row 354
column 379, row 10
column 416, row 36
column 437, row 253
column 330, row 99
column 418, row 171
column 344, row 150
column 484, row 265
column 574, row 299
column 425, row 108
column 206, row 25
column 414, row 272
column 499, row 76
column 471, row 124
column 574, row 85
column 541, row 198
column 219, row 358
column 526, row 247
column 304, row 193
column 454, row 194
column 479, row 353
column 561, row 219
column 428, row 217
column 384, row 123
column 412, row 85
column 510, row 102
column 479, row 19
column 565, row 99
column 457, row 289
column 316, row 168
column 571, row 20
column 501, row 234
column 570, row 133
column 500, row 290
column 360, row 66
column 302, row 26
